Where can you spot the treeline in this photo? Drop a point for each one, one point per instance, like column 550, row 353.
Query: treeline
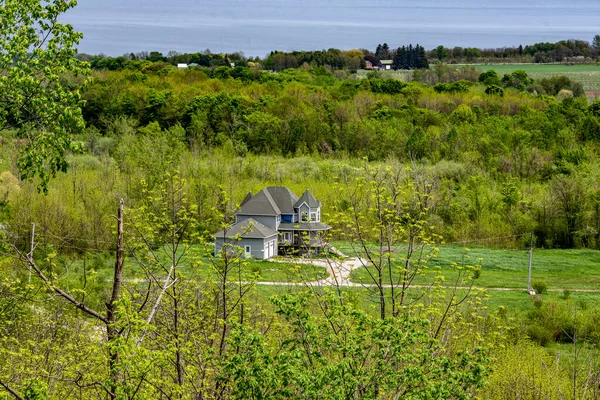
column 564, row 51
column 404, row 57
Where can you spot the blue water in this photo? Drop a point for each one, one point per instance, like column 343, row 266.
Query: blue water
column 255, row 27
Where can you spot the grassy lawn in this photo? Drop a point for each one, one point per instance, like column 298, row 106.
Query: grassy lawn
column 559, row 269
column 199, row 266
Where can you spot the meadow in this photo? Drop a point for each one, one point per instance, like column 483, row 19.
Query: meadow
column 573, row 269
column 587, row 75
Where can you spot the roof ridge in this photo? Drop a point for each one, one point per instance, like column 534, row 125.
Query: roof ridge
column 271, row 200
column 308, row 198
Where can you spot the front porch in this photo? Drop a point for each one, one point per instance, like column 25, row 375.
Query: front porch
column 301, row 242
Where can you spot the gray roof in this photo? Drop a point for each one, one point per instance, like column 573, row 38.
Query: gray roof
column 303, row 226
column 284, row 198
column 260, row 204
column 308, row 198
column 276, row 200
column 248, row 228
column 248, row 197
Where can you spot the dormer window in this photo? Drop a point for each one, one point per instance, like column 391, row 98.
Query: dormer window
column 313, row 217
column 304, row 217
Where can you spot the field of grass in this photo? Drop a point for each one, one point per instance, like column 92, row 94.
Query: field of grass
column 559, row 269
column 502, row 69
column 202, row 268
column 587, row 75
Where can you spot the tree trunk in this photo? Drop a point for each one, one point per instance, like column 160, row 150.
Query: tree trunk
column 111, row 306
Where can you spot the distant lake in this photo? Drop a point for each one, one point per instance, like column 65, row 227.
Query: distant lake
column 115, row 27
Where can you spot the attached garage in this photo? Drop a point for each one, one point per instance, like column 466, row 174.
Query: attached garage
column 248, row 237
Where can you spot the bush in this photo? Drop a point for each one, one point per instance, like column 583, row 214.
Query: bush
column 540, row 287
column 461, row 86
column 539, row 334
column 494, row 90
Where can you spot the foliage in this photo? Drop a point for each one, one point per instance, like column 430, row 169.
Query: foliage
column 346, row 353
column 36, row 54
column 540, row 287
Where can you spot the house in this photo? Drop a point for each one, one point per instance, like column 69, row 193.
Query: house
column 182, row 66
column 275, row 221
column 385, row 64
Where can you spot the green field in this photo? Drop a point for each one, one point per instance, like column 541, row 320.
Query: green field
column 538, row 68
column 587, row 75
column 202, row 268
column 559, row 269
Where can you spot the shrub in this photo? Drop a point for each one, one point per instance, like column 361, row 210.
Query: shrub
column 540, row 287
column 539, row 334
column 494, row 90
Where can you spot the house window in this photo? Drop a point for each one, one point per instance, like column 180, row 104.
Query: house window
column 304, row 217
column 247, row 250
column 313, row 217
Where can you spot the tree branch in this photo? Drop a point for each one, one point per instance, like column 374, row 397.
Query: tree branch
column 11, row 391
column 30, row 261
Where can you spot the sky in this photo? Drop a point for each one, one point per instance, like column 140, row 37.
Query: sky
column 255, row 27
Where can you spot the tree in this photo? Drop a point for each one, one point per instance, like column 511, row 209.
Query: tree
column 36, row 51
column 490, row 77
column 421, row 62
column 440, row 51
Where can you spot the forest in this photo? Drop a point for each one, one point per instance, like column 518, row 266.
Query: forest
column 113, row 182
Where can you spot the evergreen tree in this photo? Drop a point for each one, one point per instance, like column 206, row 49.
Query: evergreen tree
column 411, row 62
column 379, row 52
column 386, row 51
column 399, row 58
column 421, row 58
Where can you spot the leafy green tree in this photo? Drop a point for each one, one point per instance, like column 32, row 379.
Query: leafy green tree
column 36, row 51
column 441, row 53
column 346, row 353
column 490, row 77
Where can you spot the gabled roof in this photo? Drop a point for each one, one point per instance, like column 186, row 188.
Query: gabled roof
column 248, row 228
column 284, row 198
column 260, row 204
column 248, row 197
column 276, row 200
column 309, row 199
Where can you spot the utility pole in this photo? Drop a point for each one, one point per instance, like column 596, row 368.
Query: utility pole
column 530, row 262
column 31, row 249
